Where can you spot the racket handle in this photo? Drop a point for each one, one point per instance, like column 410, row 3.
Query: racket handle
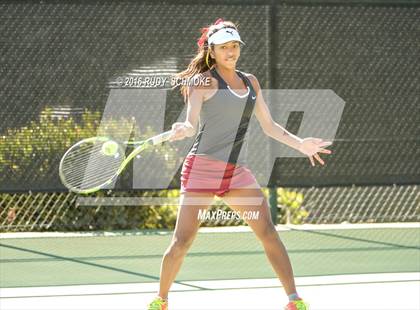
column 165, row 136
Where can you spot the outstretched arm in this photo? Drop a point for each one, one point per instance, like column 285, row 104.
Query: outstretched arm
column 308, row 146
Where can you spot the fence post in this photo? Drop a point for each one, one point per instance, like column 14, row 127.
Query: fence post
column 272, row 194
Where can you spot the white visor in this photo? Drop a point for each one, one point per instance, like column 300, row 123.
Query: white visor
column 224, row 35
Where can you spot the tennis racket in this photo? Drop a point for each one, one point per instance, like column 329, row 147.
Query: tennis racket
column 94, row 163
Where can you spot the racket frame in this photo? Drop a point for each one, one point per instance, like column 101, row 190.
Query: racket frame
column 139, row 146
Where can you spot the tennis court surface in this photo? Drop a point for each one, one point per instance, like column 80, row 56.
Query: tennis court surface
column 340, row 70
column 367, row 266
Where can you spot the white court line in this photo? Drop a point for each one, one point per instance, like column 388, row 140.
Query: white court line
column 224, row 229
column 383, row 296
column 127, row 288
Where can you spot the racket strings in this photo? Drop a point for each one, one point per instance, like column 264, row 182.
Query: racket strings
column 87, row 176
column 89, row 179
column 87, row 167
column 84, row 151
column 72, row 164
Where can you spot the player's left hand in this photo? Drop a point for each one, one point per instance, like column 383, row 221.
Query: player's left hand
column 180, row 131
column 312, row 146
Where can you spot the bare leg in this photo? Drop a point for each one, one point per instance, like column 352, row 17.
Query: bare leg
column 266, row 232
column 186, row 228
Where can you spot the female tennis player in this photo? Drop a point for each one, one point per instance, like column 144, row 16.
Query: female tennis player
column 215, row 165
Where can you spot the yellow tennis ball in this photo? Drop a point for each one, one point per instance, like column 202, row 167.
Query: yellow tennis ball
column 110, row 148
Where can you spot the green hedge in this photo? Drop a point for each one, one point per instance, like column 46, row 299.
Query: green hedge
column 60, row 212
column 29, row 152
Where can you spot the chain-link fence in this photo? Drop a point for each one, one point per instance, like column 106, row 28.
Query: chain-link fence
column 64, row 55
column 319, row 205
column 58, row 61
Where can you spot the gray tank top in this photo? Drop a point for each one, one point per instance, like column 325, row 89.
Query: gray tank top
column 224, row 121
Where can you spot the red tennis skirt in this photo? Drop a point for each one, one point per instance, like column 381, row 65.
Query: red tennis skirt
column 205, row 174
